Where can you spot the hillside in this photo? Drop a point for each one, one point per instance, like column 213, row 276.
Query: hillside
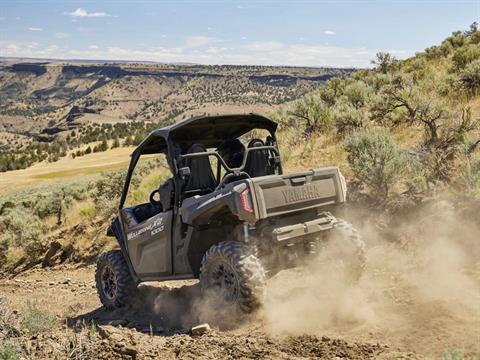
column 43, row 102
column 43, row 94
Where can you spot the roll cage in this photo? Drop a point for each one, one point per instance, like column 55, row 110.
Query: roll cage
column 210, row 131
column 238, row 171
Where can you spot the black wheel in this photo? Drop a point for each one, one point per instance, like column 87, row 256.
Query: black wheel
column 348, row 249
column 233, row 277
column 114, row 282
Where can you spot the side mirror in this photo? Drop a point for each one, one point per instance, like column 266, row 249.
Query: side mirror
column 184, row 172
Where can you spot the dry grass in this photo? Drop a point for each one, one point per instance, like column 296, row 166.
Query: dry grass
column 66, row 169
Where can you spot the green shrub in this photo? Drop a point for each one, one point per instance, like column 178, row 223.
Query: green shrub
column 19, row 227
column 470, row 77
column 348, row 118
column 110, row 185
column 457, row 354
column 107, row 190
column 8, row 352
column 375, row 160
column 88, row 212
column 468, row 177
column 35, row 321
column 464, row 56
column 437, row 52
column 56, row 201
column 357, row 93
column 312, row 114
column 4, row 245
column 456, row 40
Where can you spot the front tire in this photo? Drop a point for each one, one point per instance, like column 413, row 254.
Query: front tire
column 233, row 277
column 113, row 280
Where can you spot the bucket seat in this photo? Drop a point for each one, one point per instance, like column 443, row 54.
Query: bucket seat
column 201, row 180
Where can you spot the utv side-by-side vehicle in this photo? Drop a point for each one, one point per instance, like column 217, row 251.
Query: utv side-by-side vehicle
column 228, row 215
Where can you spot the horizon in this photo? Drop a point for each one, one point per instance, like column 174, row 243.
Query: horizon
column 321, row 34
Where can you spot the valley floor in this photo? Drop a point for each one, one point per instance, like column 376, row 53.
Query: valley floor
column 66, row 169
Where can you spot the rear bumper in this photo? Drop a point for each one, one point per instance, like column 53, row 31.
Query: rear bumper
column 297, row 232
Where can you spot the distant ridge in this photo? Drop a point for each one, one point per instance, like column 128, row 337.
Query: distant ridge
column 4, row 59
column 77, row 61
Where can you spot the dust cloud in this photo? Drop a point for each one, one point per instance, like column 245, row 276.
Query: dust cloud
column 420, row 290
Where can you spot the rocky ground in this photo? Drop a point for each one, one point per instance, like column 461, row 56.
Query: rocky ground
column 82, row 329
column 333, row 323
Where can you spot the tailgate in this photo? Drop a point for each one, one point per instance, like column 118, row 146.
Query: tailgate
column 281, row 194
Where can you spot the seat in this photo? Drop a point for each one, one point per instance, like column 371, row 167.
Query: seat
column 201, row 180
column 232, row 152
column 166, row 192
column 258, row 163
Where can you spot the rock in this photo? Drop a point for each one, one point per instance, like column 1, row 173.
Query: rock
column 129, row 350
column 55, row 246
column 200, row 329
column 51, row 283
column 105, row 331
column 67, row 281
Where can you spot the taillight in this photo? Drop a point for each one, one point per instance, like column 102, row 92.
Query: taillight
column 246, row 200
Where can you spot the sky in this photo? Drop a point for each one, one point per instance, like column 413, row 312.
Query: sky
column 295, row 33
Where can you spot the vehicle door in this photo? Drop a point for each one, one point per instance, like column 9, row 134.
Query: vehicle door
column 149, row 243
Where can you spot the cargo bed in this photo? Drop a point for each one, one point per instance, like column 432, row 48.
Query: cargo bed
column 282, row 194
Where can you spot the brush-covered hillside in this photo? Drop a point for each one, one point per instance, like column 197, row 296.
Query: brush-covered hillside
column 51, row 110
column 403, row 132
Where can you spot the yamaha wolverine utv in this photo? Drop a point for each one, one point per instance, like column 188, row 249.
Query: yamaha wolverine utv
column 228, row 215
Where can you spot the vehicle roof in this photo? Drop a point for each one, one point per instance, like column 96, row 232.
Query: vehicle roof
column 209, row 131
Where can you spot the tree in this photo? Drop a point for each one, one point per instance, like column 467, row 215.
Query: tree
column 128, row 141
column 384, row 61
column 116, row 143
column 312, row 112
column 103, row 145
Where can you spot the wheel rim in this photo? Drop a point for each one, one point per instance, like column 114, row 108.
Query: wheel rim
column 109, row 282
column 225, row 282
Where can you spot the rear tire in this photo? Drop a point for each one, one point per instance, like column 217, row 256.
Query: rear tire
column 233, row 277
column 114, row 283
column 349, row 249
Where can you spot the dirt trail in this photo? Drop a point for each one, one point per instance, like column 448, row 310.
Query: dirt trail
column 157, row 326
column 145, row 331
